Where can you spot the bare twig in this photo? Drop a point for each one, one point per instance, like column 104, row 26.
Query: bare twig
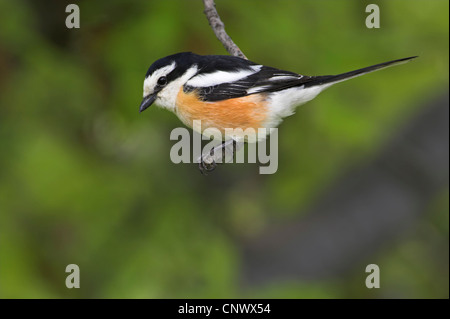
column 219, row 29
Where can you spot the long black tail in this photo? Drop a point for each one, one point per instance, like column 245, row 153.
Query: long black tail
column 332, row 79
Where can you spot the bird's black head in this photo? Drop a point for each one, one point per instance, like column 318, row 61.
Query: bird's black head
column 163, row 73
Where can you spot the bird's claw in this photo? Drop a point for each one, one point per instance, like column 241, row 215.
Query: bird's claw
column 217, row 155
column 207, row 163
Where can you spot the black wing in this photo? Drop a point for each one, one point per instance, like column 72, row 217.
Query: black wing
column 267, row 79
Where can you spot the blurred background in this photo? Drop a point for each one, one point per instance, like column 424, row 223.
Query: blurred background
column 86, row 179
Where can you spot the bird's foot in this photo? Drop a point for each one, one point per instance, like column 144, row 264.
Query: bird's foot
column 207, row 163
column 222, row 153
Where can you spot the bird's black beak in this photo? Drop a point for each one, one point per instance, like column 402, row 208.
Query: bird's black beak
column 147, row 101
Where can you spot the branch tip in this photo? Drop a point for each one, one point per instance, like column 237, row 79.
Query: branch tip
column 219, row 29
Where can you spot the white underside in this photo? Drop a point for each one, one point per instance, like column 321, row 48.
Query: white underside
column 283, row 103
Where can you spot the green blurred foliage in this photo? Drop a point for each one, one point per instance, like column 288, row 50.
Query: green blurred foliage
column 86, row 179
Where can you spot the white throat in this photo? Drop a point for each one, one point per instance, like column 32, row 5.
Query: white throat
column 168, row 96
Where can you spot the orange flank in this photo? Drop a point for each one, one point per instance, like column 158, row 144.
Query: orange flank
column 244, row 112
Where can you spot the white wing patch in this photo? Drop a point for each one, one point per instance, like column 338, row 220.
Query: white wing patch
column 274, row 78
column 257, row 89
column 285, row 77
column 219, row 77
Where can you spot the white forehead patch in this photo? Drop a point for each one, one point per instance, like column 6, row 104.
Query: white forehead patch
column 219, row 77
column 150, row 81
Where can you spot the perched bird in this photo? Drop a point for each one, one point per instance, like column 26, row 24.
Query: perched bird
column 231, row 92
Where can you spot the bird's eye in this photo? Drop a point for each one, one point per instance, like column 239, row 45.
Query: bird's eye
column 162, row 81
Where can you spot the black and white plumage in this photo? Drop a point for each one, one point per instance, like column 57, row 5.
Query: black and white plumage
column 227, row 91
